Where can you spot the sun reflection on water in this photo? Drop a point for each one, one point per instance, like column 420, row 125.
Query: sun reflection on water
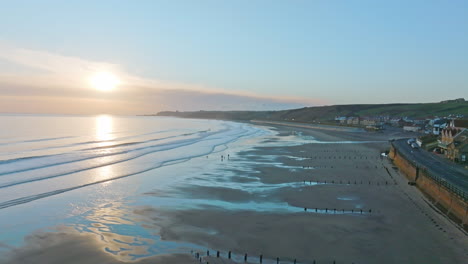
column 104, row 128
column 104, row 173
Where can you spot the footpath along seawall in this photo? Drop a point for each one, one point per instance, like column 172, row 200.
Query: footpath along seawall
column 449, row 199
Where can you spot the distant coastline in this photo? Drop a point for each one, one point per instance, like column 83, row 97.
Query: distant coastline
column 327, row 114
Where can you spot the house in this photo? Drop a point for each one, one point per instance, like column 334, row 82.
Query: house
column 454, row 140
column 385, row 118
column 368, row 122
column 372, row 121
column 438, row 125
column 419, row 121
column 396, row 122
column 408, row 120
column 457, row 150
column 352, row 120
column 427, row 141
column 340, row 119
column 447, row 136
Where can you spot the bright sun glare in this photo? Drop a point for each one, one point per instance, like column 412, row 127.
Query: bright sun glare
column 104, row 81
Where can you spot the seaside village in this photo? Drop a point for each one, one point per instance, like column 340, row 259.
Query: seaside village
column 446, row 136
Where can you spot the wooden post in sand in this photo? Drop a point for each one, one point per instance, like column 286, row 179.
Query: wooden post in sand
column 465, row 218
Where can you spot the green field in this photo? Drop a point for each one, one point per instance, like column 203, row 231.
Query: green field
column 326, row 113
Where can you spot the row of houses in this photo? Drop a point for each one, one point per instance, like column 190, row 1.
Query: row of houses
column 368, row 122
column 427, row 126
column 448, row 135
column 432, row 126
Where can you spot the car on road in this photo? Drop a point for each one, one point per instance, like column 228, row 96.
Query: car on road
column 411, row 141
column 414, row 145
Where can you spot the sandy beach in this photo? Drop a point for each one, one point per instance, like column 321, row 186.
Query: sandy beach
column 234, row 132
column 336, row 200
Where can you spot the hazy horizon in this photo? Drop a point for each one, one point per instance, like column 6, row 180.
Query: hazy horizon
column 126, row 58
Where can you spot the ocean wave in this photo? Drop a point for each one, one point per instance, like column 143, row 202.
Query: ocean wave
column 57, row 168
column 151, row 150
column 76, row 158
column 90, row 142
column 30, row 198
column 34, row 140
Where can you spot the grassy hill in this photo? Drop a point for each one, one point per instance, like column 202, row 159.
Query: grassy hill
column 324, row 113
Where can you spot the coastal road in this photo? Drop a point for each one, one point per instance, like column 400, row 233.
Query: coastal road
column 435, row 164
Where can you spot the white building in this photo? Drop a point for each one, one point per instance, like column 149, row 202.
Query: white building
column 438, row 125
column 411, row 128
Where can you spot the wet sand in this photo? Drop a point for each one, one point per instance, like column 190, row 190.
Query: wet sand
column 397, row 224
column 401, row 228
column 67, row 246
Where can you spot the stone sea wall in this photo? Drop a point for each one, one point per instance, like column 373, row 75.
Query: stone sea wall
column 442, row 196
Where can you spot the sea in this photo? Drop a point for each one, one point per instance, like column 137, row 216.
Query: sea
column 81, row 170
column 122, row 180
column 90, row 174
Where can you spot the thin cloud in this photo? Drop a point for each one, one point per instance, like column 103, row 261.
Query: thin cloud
column 66, row 77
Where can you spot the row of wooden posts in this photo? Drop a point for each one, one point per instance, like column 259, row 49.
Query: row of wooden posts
column 199, row 257
column 350, row 182
column 342, row 210
column 339, row 157
column 331, row 167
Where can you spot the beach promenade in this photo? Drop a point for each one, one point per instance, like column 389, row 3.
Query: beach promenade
column 451, row 172
column 443, row 182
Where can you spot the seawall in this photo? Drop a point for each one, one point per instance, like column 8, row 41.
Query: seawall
column 440, row 193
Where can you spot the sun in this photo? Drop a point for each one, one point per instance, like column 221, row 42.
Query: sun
column 104, row 81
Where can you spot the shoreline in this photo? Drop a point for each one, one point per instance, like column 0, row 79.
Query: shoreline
column 281, row 174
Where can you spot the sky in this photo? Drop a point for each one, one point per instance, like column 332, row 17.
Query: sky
column 229, row 55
